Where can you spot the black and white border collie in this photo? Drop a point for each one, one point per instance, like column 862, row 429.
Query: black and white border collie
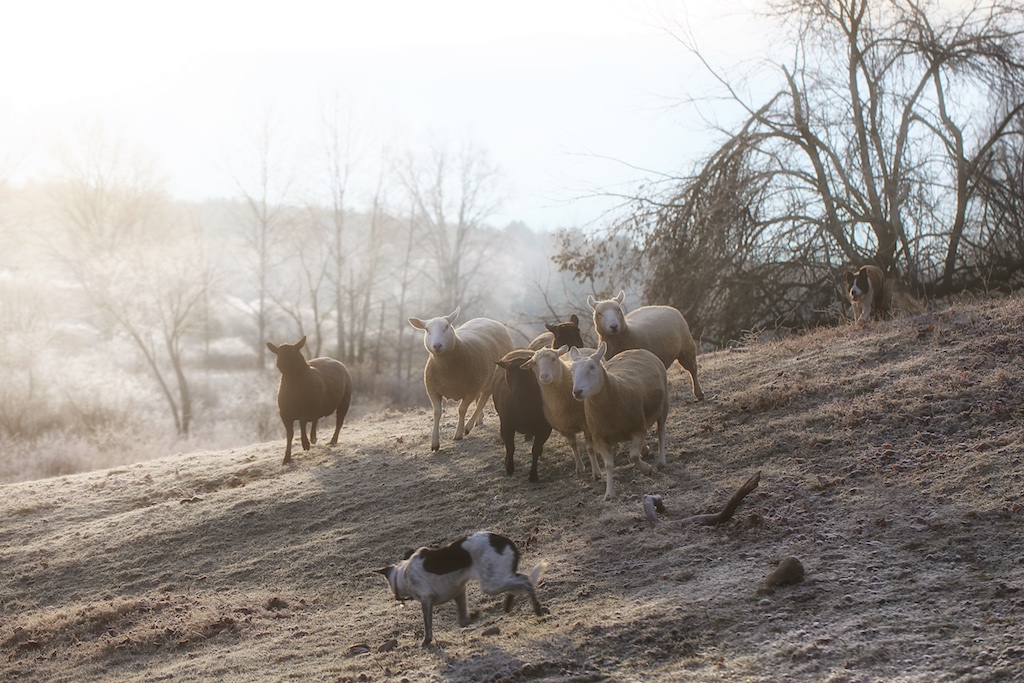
column 433, row 576
column 864, row 288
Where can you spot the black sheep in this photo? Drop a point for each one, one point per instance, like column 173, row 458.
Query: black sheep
column 559, row 335
column 518, row 402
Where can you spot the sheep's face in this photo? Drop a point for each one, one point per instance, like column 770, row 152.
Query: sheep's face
column 567, row 333
column 438, row 333
column 608, row 317
column 546, row 365
column 438, row 336
column 518, row 378
column 289, row 356
column 518, row 373
column 587, row 373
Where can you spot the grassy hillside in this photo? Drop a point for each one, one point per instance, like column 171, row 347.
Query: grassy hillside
column 892, row 462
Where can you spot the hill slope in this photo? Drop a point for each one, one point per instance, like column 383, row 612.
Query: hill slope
column 892, row 462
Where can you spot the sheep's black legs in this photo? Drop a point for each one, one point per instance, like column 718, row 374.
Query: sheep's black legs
column 289, row 430
column 339, row 420
column 538, row 445
column 508, row 437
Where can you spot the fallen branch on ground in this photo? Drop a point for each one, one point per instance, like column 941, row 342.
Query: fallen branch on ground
column 653, row 505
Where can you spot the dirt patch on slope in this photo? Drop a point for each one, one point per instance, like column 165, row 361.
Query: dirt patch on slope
column 892, row 460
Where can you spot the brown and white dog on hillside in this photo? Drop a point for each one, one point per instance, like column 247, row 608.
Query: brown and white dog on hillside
column 433, row 576
column 865, row 290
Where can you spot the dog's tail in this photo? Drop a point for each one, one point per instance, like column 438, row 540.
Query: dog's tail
column 537, row 572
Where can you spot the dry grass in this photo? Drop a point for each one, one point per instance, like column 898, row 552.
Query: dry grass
column 893, row 467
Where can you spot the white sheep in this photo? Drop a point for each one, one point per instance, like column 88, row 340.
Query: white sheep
column 461, row 365
column 563, row 412
column 662, row 330
column 622, row 397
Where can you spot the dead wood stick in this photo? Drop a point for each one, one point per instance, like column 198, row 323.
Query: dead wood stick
column 653, row 505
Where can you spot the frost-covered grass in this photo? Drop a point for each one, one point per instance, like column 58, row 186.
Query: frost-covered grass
column 62, row 414
column 891, row 467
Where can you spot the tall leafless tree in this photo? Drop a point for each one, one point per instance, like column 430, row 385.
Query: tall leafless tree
column 454, row 194
column 300, row 288
column 132, row 256
column 340, row 157
column 363, row 294
column 264, row 179
column 873, row 147
column 403, row 354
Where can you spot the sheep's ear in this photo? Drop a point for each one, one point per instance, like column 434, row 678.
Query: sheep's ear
column 453, row 315
column 562, row 350
column 302, row 342
column 550, row 328
column 591, row 301
column 273, row 349
column 620, row 296
column 574, row 319
column 599, row 355
column 528, row 363
column 417, row 323
column 575, row 353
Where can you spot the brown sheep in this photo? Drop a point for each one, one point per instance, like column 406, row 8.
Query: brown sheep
column 310, row 390
column 559, row 335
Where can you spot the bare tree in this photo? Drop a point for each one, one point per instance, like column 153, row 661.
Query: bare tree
column 110, row 193
column 340, row 158
column 453, row 196
column 25, row 328
column 134, row 257
column 992, row 249
column 873, row 148
column 301, row 290
column 355, row 244
column 155, row 295
column 362, row 290
column 404, row 286
column 926, row 96
column 265, row 186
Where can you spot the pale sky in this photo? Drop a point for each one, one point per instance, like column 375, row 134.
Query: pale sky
column 552, row 89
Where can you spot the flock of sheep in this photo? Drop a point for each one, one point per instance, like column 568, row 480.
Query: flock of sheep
column 611, row 394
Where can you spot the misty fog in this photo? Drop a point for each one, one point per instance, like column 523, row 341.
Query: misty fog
column 134, row 325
